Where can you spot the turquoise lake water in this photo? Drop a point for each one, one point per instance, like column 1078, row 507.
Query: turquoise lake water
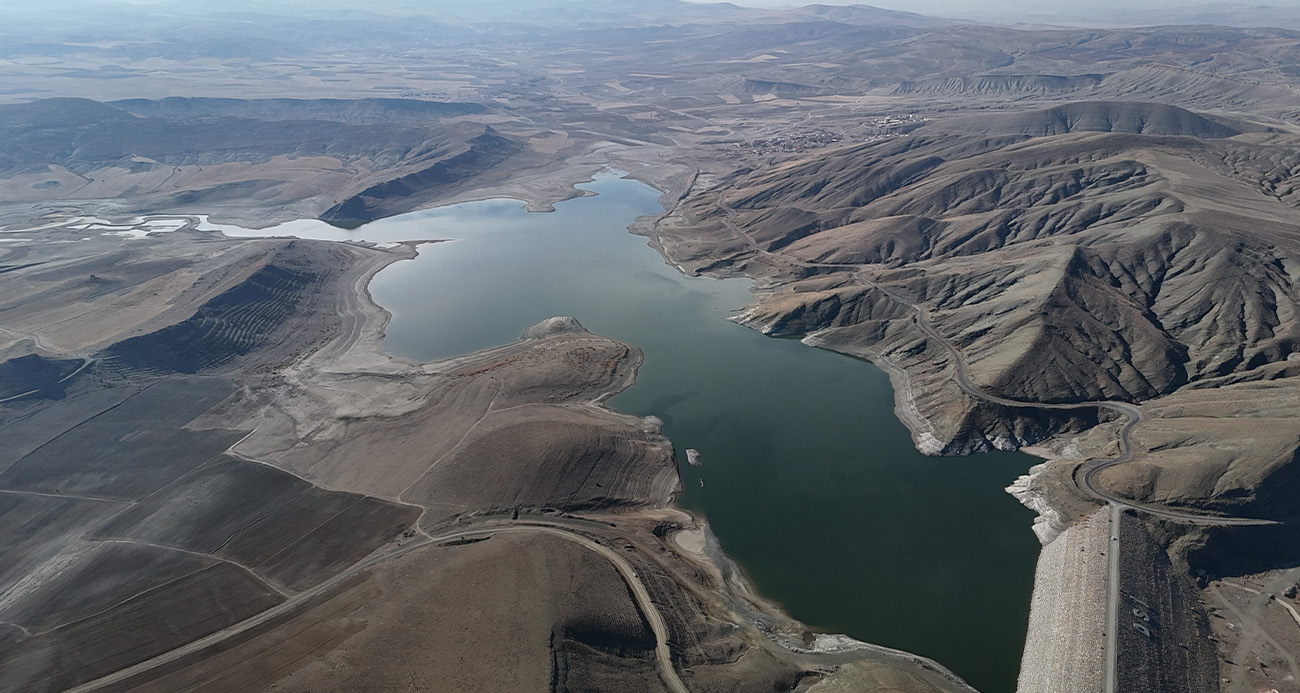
column 810, row 482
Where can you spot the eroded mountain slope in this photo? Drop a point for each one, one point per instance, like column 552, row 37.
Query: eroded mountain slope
column 1153, row 253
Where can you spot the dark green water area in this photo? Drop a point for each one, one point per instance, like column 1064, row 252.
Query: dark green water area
column 810, row 482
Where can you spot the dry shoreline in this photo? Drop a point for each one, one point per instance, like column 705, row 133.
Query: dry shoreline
column 1046, row 647
column 350, row 383
column 905, row 407
column 349, row 380
column 781, row 632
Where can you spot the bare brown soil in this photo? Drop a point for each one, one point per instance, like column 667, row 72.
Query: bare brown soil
column 512, row 613
column 304, row 479
column 1087, row 214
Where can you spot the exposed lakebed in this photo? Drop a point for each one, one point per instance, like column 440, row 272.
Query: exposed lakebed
column 810, row 482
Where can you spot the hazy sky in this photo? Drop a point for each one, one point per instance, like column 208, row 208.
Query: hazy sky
column 920, row 6
column 1285, row 13
column 1002, row 5
column 1037, row 10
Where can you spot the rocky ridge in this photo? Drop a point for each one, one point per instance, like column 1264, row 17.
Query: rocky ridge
column 1150, row 258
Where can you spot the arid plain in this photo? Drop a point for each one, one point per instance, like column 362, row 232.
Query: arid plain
column 1081, row 243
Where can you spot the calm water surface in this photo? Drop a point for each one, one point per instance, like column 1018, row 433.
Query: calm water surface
column 811, row 483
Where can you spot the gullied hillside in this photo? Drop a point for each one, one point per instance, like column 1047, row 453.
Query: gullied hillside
column 997, row 85
column 252, row 314
column 1198, row 89
column 1156, row 257
column 437, row 169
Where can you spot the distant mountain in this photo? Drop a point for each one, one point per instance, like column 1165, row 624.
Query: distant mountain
column 81, row 134
column 867, row 15
column 17, row 119
column 287, row 157
column 1102, row 116
column 333, row 110
column 1238, row 14
column 997, row 85
column 1114, row 13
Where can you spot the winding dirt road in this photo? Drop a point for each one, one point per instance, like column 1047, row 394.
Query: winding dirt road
column 1086, row 474
column 644, row 602
column 647, row 606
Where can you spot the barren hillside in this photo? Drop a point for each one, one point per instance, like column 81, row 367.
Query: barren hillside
column 1094, row 251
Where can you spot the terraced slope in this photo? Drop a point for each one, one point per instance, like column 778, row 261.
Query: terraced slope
column 439, row 169
column 256, row 309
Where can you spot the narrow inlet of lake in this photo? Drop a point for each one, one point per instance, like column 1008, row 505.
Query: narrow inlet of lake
column 810, row 482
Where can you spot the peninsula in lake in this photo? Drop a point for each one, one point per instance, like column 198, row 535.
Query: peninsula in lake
column 327, row 361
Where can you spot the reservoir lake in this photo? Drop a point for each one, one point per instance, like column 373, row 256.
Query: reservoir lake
column 810, row 482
